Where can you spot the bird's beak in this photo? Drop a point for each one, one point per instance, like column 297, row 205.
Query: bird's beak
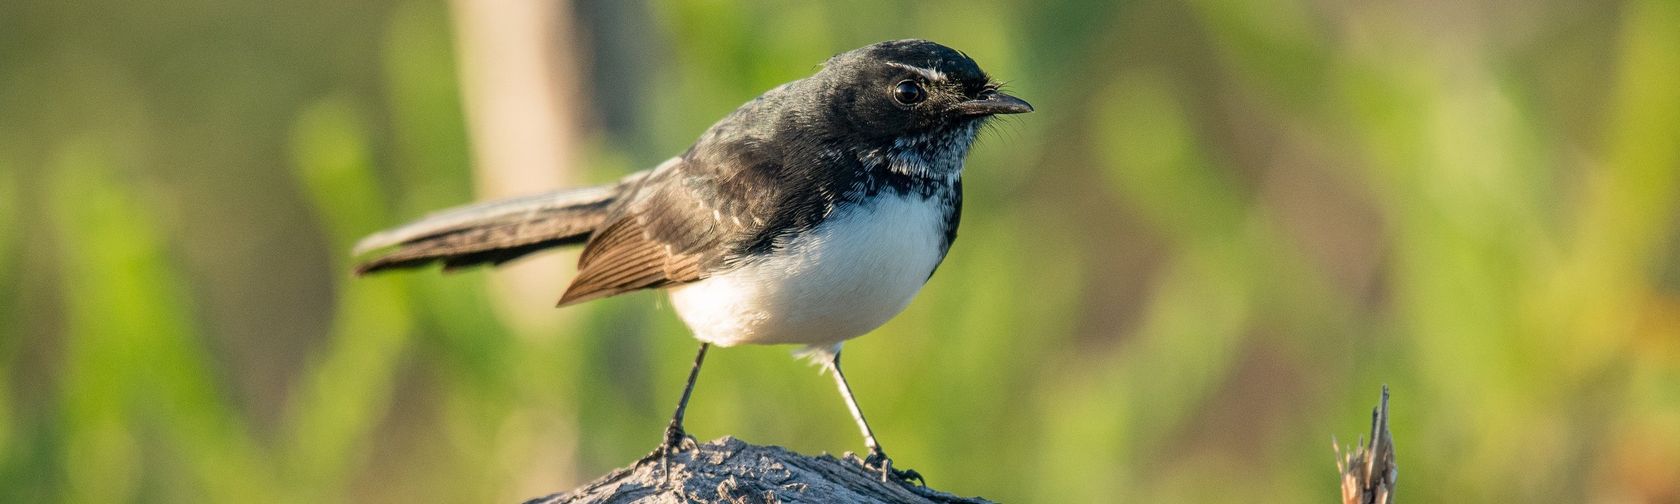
column 994, row 103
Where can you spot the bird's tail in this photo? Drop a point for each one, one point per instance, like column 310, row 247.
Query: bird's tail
column 494, row 232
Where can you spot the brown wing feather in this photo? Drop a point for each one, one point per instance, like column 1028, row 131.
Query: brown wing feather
column 662, row 237
column 623, row 258
column 684, row 220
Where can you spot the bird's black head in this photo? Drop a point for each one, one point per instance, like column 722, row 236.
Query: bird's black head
column 913, row 97
column 908, row 86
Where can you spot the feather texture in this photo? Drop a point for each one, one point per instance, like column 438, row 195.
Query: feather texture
column 495, row 232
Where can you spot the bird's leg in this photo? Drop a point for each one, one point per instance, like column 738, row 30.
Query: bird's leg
column 877, row 459
column 675, row 436
column 676, row 439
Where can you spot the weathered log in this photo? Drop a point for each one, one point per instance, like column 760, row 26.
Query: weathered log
column 734, row 471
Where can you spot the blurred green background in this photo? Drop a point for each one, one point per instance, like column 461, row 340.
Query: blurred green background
column 1227, row 224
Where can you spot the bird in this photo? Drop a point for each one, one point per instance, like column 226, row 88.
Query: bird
column 810, row 215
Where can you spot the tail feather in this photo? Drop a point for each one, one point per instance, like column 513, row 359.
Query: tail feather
column 495, row 232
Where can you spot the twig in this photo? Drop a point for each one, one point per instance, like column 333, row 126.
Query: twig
column 1368, row 470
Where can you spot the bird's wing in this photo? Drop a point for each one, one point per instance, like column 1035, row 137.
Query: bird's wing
column 680, row 223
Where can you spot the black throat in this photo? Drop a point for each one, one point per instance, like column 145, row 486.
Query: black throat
column 844, row 173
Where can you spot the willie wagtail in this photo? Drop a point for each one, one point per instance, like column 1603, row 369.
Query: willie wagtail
column 810, row 215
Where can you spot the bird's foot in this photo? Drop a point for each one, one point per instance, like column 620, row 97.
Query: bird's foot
column 877, row 461
column 676, row 441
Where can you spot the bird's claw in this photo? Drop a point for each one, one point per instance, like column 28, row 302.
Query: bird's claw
column 676, row 441
column 878, row 461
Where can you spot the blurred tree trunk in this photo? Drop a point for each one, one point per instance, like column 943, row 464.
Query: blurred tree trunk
column 520, row 85
column 520, row 77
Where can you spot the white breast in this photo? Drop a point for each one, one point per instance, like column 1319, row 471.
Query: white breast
column 844, row 278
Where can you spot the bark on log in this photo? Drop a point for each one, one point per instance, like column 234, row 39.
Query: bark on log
column 731, row 470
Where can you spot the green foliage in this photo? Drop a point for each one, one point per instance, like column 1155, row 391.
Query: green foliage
column 1226, row 225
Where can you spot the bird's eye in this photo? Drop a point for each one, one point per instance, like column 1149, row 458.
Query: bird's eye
column 909, row 92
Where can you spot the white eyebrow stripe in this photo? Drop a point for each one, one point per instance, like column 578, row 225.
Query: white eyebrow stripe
column 930, row 74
